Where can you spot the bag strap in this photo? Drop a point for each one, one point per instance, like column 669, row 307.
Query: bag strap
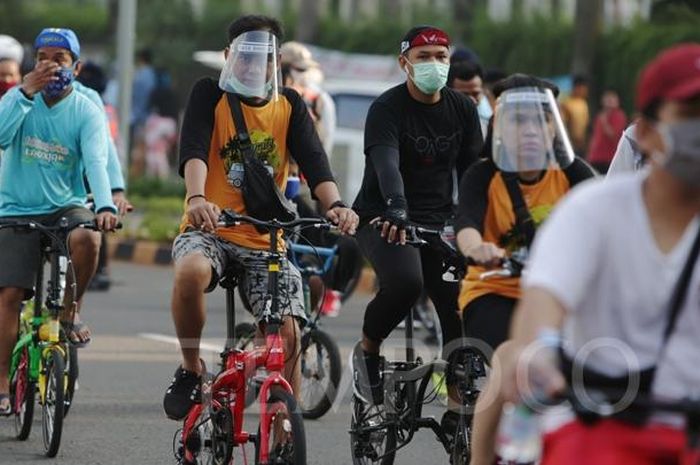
column 523, row 220
column 681, row 290
column 241, row 128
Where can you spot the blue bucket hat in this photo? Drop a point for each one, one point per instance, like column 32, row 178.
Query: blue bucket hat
column 58, row 37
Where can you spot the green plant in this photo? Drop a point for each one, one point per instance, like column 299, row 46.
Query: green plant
column 154, row 218
column 24, row 20
column 158, row 228
column 156, row 187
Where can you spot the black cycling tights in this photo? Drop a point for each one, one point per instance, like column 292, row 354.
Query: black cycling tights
column 403, row 272
column 488, row 318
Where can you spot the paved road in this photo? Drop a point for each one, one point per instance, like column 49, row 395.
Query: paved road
column 117, row 417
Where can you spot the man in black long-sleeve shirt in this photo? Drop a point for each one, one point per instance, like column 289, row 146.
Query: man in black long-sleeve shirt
column 419, row 138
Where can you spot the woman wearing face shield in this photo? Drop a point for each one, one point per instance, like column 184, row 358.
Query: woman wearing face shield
column 621, row 251
column 529, row 152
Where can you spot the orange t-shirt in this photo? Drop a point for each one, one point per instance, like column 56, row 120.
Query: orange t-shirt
column 497, row 221
column 276, row 129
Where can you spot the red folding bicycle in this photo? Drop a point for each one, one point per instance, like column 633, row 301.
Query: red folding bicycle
column 214, row 427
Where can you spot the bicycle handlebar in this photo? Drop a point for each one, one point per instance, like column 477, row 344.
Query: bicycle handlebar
column 415, row 235
column 511, row 267
column 229, row 218
column 63, row 226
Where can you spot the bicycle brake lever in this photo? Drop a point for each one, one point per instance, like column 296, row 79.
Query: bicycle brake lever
column 502, row 273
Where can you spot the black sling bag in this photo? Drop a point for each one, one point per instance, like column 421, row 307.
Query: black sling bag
column 262, row 198
column 524, row 224
column 595, row 380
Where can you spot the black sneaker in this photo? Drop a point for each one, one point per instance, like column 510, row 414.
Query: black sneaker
column 368, row 384
column 184, row 391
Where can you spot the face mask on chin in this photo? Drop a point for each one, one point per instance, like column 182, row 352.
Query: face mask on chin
column 234, row 85
column 56, row 88
column 429, row 77
column 682, row 143
column 5, row 86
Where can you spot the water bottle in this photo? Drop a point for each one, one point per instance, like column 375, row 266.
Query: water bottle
column 27, row 316
column 519, row 438
column 54, row 330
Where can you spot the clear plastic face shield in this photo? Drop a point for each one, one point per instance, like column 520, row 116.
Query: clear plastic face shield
column 528, row 132
column 251, row 66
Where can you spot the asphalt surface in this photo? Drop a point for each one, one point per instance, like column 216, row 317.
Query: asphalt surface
column 117, row 416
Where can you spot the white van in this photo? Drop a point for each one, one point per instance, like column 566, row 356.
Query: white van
column 352, row 101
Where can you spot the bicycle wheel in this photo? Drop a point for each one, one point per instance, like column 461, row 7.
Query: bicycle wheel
column 23, row 391
column 352, row 283
column 461, row 450
column 244, row 339
column 372, row 438
column 475, row 366
column 210, row 442
column 52, row 406
column 426, row 315
column 73, row 372
column 321, row 369
column 287, row 440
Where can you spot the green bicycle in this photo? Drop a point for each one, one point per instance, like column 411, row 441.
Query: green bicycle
column 43, row 361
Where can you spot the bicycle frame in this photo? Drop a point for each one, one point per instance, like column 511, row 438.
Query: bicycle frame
column 54, row 303
column 404, row 374
column 325, row 253
column 239, row 366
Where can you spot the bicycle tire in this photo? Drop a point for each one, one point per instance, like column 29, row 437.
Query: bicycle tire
column 23, row 394
column 323, row 343
column 461, row 449
column 352, row 283
column 476, row 367
column 52, row 405
column 73, row 372
column 360, row 445
column 283, row 401
column 426, row 315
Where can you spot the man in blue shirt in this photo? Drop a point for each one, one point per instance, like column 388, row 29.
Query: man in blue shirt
column 50, row 136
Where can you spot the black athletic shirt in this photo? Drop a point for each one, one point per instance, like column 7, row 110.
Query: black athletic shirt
column 435, row 142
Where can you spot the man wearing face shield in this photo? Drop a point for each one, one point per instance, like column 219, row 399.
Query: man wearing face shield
column 614, row 262
column 211, row 162
column 531, row 154
column 420, row 136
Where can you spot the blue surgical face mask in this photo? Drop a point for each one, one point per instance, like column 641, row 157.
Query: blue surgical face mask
column 65, row 76
column 484, row 109
column 430, row 77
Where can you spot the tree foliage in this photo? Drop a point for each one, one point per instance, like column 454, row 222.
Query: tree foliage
column 538, row 45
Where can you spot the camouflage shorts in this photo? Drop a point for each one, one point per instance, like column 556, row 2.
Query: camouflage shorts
column 223, row 254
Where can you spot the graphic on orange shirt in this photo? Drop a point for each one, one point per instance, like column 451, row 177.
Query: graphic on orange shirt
column 513, row 240
column 499, row 228
column 268, row 126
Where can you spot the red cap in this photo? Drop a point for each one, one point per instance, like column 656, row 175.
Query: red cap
column 673, row 75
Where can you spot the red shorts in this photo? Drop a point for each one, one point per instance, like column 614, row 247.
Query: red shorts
column 611, row 442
